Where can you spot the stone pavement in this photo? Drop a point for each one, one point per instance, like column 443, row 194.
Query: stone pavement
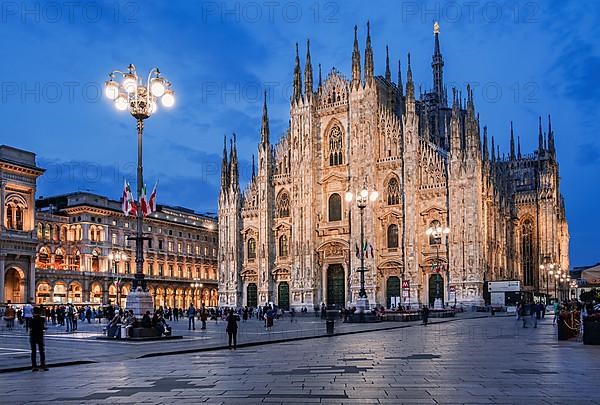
column 82, row 346
column 486, row 360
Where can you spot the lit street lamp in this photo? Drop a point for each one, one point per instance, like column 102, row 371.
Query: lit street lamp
column 140, row 99
column 195, row 286
column 362, row 199
column 115, row 257
column 436, row 232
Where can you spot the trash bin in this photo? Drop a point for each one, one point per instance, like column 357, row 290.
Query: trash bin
column 330, row 324
column 124, row 332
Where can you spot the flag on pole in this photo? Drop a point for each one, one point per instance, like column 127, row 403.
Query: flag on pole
column 152, row 200
column 144, row 203
column 357, row 250
column 131, row 202
column 371, row 248
column 125, row 199
column 366, row 250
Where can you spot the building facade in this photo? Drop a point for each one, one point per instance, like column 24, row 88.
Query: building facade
column 84, row 253
column 18, row 175
column 290, row 238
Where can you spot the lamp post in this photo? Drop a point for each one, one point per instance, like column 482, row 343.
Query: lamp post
column 116, row 256
column 437, row 232
column 140, row 99
column 195, row 285
column 362, row 199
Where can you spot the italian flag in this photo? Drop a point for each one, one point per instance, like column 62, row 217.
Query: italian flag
column 144, row 203
column 125, row 199
column 152, row 200
column 131, row 202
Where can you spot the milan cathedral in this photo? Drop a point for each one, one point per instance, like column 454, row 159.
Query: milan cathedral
column 291, row 238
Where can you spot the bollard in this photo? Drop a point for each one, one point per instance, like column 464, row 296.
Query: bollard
column 330, row 325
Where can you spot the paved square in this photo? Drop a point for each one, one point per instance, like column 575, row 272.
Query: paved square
column 489, row 360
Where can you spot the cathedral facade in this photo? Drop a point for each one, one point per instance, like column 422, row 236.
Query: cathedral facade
column 451, row 213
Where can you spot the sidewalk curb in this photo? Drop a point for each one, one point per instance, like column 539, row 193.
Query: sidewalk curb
column 54, row 365
column 296, row 339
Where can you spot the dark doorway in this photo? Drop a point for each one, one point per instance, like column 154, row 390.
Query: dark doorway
column 336, row 295
column 392, row 289
column 436, row 288
column 252, row 295
column 283, row 295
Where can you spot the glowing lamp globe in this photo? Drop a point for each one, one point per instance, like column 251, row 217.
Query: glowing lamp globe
column 168, row 99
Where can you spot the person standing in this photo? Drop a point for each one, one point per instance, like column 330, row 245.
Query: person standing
column 425, row 314
column 556, row 309
column 88, row 314
column 191, row 314
column 232, row 328
column 203, row 317
column 9, row 316
column 36, row 339
column 27, row 314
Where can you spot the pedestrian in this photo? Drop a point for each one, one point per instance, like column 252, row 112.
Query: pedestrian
column 556, row 309
column 425, row 314
column 232, row 328
column 533, row 309
column 292, row 315
column 36, row 339
column 88, row 314
column 9, row 316
column 245, row 314
column 27, row 314
column 191, row 314
column 523, row 314
column 203, row 317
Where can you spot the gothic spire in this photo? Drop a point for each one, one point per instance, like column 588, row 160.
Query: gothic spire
column 400, row 85
column 437, row 65
column 486, row 155
column 308, row 72
column 410, row 86
column 297, row 78
column 320, row 80
column 540, row 137
column 224, row 166
column 356, row 75
column 369, row 69
column 388, row 73
column 233, row 161
column 519, row 147
column 493, row 154
column 512, row 142
column 551, row 148
column 264, row 130
column 253, row 171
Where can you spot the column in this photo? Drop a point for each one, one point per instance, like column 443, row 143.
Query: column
column 2, row 271
column 30, row 293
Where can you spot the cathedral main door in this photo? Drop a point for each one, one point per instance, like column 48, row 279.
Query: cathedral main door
column 283, row 295
column 436, row 288
column 252, row 295
column 336, row 295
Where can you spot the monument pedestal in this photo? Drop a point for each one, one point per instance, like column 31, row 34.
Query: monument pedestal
column 362, row 304
column 139, row 302
column 437, row 304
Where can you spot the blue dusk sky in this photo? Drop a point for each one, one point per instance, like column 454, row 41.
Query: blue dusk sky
column 524, row 58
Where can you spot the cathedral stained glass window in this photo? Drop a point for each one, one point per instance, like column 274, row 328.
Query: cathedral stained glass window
column 335, row 146
column 335, row 207
column 393, row 192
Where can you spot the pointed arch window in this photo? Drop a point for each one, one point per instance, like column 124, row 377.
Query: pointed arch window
column 335, row 207
column 392, row 236
column 393, row 192
column 527, row 251
column 283, row 205
column 251, row 248
column 283, row 246
column 335, row 146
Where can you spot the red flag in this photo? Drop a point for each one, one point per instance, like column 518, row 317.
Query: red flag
column 357, row 250
column 144, row 203
column 152, row 200
column 132, row 204
column 125, row 199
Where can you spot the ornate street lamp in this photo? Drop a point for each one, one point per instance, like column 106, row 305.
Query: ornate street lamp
column 362, row 199
column 437, row 232
column 115, row 257
column 140, row 99
column 195, row 286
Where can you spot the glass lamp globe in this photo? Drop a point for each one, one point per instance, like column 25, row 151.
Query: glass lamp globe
column 373, row 196
column 349, row 196
column 123, row 256
column 364, row 193
column 129, row 82
column 157, row 86
column 153, row 107
column 168, row 99
column 111, row 89
column 121, row 102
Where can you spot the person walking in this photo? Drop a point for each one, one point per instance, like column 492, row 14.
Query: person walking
column 27, row 315
column 425, row 314
column 88, row 314
column 9, row 316
column 36, row 339
column 232, row 328
column 534, row 313
column 191, row 314
column 556, row 309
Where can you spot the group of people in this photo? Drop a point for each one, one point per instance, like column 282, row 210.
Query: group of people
column 126, row 320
